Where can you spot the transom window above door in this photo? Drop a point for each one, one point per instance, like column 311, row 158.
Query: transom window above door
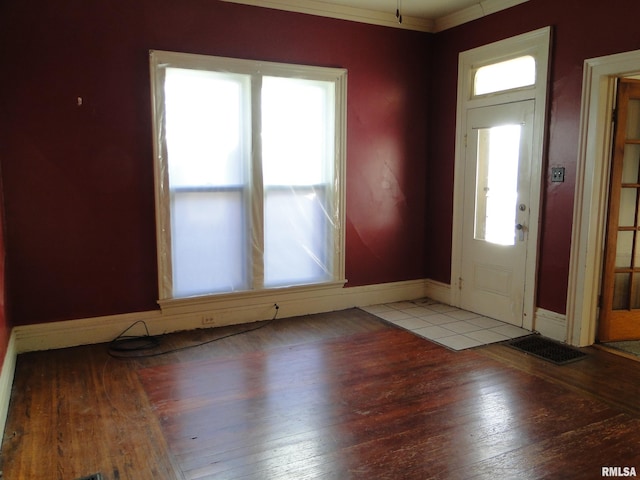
column 510, row 74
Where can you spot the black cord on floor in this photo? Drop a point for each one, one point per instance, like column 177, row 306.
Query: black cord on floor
column 127, row 346
column 131, row 343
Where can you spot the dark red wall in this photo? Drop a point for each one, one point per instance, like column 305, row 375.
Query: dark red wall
column 581, row 30
column 79, row 180
column 5, row 327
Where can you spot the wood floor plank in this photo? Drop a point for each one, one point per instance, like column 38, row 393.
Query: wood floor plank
column 331, row 396
column 384, row 411
column 602, row 375
column 81, row 417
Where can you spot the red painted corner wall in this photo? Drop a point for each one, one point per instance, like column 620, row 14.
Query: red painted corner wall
column 581, row 30
column 79, row 180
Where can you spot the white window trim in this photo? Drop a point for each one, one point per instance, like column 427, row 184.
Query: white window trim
column 159, row 59
column 536, row 43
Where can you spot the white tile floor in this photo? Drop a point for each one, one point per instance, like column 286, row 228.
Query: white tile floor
column 449, row 326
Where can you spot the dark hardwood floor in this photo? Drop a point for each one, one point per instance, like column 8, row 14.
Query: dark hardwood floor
column 342, row 395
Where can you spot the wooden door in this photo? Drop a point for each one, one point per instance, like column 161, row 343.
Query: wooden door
column 496, row 210
column 620, row 302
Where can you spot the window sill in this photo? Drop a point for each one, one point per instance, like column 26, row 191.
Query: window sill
column 249, row 299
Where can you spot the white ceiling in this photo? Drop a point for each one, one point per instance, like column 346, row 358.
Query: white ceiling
column 422, row 15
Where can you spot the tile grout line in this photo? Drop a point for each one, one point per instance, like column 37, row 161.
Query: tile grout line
column 470, row 334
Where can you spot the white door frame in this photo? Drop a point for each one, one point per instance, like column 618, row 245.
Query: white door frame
column 537, row 44
column 592, row 188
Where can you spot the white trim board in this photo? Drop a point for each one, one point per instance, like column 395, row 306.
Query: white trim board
column 228, row 311
column 386, row 18
column 551, row 324
column 592, row 186
column 6, row 381
column 438, row 291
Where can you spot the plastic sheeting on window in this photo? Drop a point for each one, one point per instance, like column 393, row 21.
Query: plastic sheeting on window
column 247, row 174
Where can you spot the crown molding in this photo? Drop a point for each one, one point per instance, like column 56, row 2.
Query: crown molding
column 386, row 19
column 474, row 12
column 341, row 12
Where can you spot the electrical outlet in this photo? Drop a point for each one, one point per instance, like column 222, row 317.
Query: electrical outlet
column 217, row 317
column 208, row 319
column 557, row 174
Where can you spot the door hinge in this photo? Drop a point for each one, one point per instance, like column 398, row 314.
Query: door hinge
column 465, row 140
column 459, row 283
column 614, row 115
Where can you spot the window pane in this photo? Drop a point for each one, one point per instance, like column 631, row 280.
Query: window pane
column 297, row 140
column 206, row 136
column 515, row 73
column 208, row 243
column 497, row 184
column 205, row 127
column 297, row 237
column 297, row 131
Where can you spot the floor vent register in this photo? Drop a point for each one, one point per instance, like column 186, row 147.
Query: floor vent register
column 547, row 349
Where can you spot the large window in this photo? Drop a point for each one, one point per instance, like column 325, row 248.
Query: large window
column 249, row 174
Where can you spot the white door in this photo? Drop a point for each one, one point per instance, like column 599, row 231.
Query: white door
column 496, row 210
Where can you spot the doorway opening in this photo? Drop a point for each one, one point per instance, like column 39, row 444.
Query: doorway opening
column 592, row 189
column 619, row 316
column 494, row 263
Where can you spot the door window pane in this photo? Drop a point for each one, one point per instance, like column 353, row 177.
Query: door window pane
column 630, row 163
column 633, row 120
column 627, row 213
column 635, row 296
column 621, row 291
column 623, row 249
column 497, row 184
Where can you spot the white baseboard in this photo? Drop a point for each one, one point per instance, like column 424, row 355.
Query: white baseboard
column 230, row 310
column 6, row 381
column 551, row 324
column 438, row 291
